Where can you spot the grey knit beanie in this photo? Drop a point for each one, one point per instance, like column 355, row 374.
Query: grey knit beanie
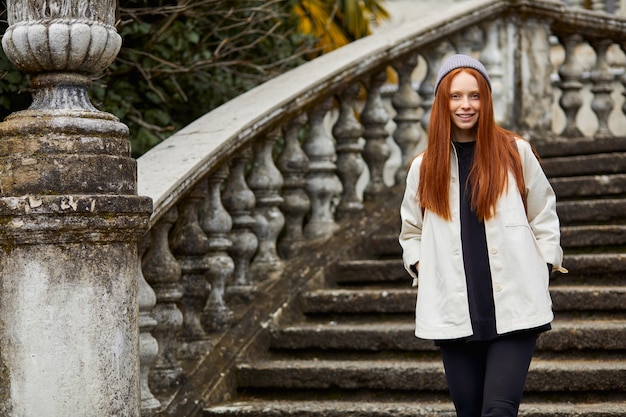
column 461, row 61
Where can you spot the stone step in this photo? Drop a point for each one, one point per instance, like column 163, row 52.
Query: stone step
column 386, row 245
column 372, row 271
column 415, row 408
column 593, row 235
column 357, row 300
column 569, row 166
column 588, row 298
column 578, row 236
column 402, row 300
column 578, row 217
column 601, row 211
column 566, row 147
column 413, row 374
column 397, row 335
column 596, row 264
column 590, row 186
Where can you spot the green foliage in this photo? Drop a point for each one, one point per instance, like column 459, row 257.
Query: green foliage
column 14, row 85
column 181, row 59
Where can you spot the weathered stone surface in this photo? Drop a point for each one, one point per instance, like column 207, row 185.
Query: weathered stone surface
column 599, row 235
column 71, row 220
column 596, row 264
column 566, row 147
column 394, row 301
column 69, row 329
column 600, row 211
column 64, row 41
column 58, row 154
column 589, row 298
column 590, row 186
column 397, row 335
column 605, row 163
column 351, row 336
column 405, row 408
column 96, row 10
column 535, row 90
column 359, row 300
column 366, row 270
column 411, row 374
column 35, row 219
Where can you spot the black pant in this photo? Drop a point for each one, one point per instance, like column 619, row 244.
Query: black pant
column 486, row 379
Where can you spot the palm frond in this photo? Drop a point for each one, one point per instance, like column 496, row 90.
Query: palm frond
column 335, row 23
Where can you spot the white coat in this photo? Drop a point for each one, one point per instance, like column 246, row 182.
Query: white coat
column 520, row 243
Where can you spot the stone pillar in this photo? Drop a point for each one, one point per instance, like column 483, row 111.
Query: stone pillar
column 71, row 220
column 534, row 98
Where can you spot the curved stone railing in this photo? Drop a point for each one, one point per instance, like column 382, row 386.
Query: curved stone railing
column 246, row 189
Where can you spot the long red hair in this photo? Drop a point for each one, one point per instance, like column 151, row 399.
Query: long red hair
column 495, row 155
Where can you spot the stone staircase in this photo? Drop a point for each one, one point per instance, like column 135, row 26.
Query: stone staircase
column 346, row 347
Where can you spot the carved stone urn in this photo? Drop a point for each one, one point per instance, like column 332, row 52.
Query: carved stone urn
column 62, row 44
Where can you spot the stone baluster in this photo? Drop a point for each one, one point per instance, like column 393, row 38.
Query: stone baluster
column 266, row 182
column 162, row 271
column 433, row 54
column 602, row 79
column 217, row 224
column 623, row 79
column 148, row 346
column 576, row 3
column 347, row 132
column 529, row 89
column 465, row 40
column 374, row 118
column 294, row 165
column 598, row 5
column 491, row 57
column 322, row 182
column 406, row 101
column 71, row 220
column 239, row 200
column 571, row 74
column 190, row 246
column 462, row 43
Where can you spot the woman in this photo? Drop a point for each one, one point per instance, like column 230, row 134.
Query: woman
column 479, row 225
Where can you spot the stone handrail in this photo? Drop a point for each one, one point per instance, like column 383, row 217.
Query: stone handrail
column 165, row 172
column 242, row 190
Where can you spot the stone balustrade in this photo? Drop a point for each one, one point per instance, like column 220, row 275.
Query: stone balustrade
column 308, row 148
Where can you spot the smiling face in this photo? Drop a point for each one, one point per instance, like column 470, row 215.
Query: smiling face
column 464, row 106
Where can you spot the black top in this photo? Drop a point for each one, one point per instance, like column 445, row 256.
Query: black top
column 475, row 257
